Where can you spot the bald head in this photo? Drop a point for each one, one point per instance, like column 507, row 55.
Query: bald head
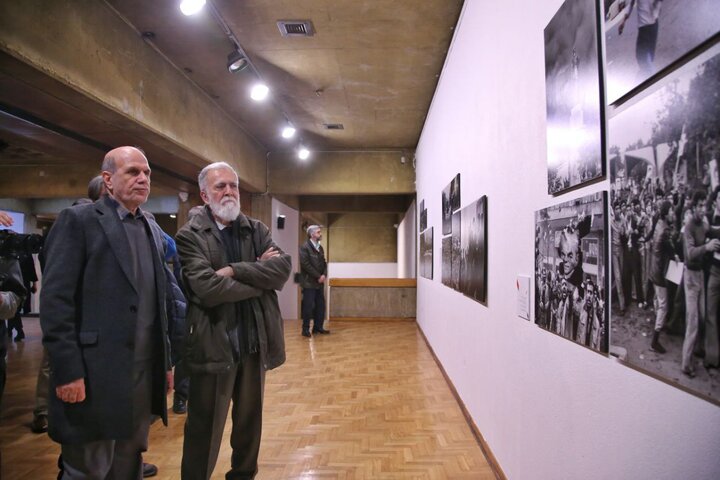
column 126, row 175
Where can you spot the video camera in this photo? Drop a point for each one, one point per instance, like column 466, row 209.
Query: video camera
column 13, row 245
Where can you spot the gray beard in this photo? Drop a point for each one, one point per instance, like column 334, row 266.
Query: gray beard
column 226, row 212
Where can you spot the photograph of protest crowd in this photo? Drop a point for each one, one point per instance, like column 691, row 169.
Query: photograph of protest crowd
column 473, row 250
column 572, row 89
column 642, row 37
column 570, row 270
column 447, row 261
column 455, row 279
column 664, row 150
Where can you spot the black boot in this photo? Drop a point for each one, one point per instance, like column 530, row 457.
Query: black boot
column 655, row 345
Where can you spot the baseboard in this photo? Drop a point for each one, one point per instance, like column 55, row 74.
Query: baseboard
column 492, row 461
column 370, row 319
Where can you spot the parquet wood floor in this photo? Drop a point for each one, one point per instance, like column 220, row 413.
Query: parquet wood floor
column 365, row 402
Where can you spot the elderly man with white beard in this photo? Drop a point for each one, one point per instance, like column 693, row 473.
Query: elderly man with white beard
column 231, row 268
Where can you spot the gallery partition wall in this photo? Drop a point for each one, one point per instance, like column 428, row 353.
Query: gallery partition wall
column 576, row 147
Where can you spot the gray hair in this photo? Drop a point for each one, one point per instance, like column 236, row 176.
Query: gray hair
column 96, row 188
column 213, row 166
column 312, row 229
column 110, row 165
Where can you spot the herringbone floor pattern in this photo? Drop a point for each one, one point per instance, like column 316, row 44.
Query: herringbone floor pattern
column 366, row 402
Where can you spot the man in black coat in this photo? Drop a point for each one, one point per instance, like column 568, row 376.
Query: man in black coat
column 104, row 325
column 313, row 273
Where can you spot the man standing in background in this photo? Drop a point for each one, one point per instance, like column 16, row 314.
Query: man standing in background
column 313, row 273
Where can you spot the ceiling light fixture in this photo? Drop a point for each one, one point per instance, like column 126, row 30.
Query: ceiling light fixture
column 191, row 7
column 288, row 131
column 236, row 61
column 259, row 92
column 303, row 153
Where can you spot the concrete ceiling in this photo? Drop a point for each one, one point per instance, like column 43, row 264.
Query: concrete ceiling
column 372, row 65
column 77, row 77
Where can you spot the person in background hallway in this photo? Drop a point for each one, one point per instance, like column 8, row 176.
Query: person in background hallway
column 313, row 273
column 231, row 269
column 11, row 296
column 29, row 275
column 104, row 325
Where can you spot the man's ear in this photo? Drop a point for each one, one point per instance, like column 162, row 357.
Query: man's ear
column 204, row 196
column 107, row 180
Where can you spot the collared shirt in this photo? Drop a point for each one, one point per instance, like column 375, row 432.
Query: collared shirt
column 315, row 244
column 140, row 241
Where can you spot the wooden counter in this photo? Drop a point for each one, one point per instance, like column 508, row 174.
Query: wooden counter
column 372, row 298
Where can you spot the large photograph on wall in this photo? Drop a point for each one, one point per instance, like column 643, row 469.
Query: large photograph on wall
column 422, row 225
column 642, row 37
column 455, row 193
column 473, row 250
column 572, row 84
column 447, row 261
column 446, row 211
column 664, row 150
column 570, row 270
column 426, row 254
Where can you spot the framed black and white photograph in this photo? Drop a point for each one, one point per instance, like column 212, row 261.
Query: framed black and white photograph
column 455, row 193
column 572, row 89
column 570, row 270
column 455, row 279
column 423, row 216
column 473, row 250
column 447, row 261
column 643, row 37
column 446, row 211
column 664, row 148
column 426, row 254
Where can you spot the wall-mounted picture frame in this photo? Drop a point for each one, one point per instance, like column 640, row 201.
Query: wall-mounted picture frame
column 455, row 193
column 572, row 89
column 426, row 254
column 422, row 225
column 664, row 149
column 643, row 37
column 447, row 261
column 446, row 210
column 571, row 270
column 473, row 250
column 456, row 255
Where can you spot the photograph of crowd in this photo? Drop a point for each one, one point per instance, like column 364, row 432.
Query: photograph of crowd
column 455, row 193
column 570, row 270
column 473, row 250
column 455, row 279
column 665, row 207
column 426, row 254
column 642, row 37
column 572, row 89
column 447, row 261
column 446, row 211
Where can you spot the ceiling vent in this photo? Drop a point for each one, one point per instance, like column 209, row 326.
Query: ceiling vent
column 296, row 28
column 333, row 126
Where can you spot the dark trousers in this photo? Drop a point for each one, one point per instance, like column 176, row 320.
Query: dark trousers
column 181, row 380
column 208, row 404
column 313, row 308
column 633, row 272
column 3, row 353
column 115, row 459
column 645, row 47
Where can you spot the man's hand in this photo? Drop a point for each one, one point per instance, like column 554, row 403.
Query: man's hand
column 269, row 253
column 321, row 279
column 5, row 220
column 225, row 272
column 73, row 392
column 170, row 381
column 713, row 245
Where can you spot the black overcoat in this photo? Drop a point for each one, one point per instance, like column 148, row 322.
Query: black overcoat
column 88, row 314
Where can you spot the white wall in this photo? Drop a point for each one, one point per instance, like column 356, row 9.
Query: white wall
column 362, row 270
column 287, row 239
column 548, row 408
column 406, row 235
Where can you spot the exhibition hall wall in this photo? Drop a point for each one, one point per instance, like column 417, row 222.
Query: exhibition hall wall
column 547, row 408
column 287, row 239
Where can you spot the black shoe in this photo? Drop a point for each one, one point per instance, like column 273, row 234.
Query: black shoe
column 306, row 333
column 39, row 424
column 321, row 330
column 20, row 336
column 149, row 470
column 179, row 405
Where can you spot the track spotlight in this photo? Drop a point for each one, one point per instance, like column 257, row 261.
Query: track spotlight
column 259, row 92
column 191, row 7
column 288, row 131
column 303, row 153
column 236, row 61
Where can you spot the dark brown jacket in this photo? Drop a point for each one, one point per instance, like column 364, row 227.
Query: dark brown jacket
column 312, row 265
column 211, row 298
